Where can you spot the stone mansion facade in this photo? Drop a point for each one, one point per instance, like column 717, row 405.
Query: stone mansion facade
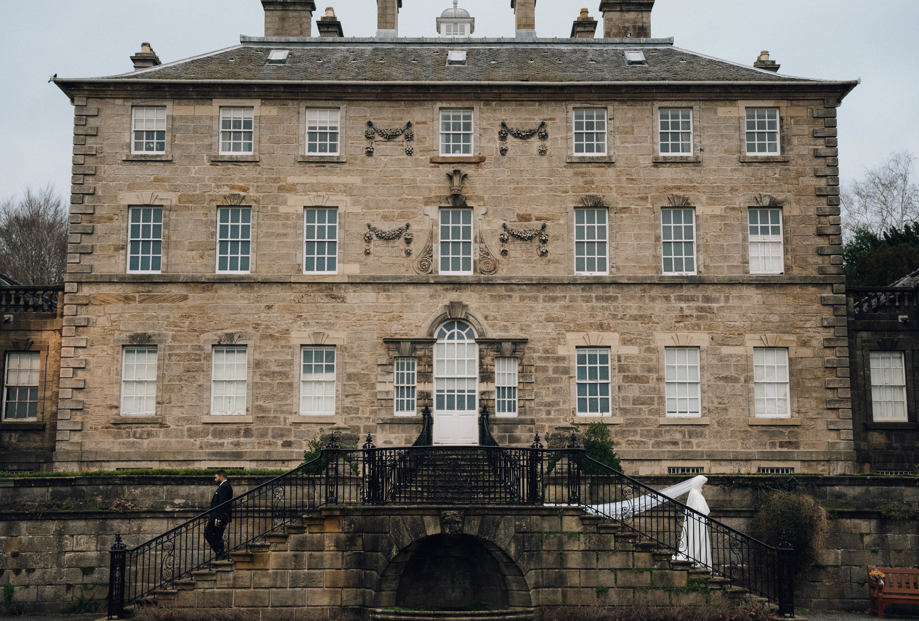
column 304, row 233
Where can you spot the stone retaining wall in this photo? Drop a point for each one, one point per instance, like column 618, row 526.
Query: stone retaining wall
column 55, row 533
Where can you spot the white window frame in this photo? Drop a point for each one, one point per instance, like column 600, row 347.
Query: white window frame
column 317, row 380
column 680, row 135
column 888, row 386
column 765, row 245
column 771, row 392
column 589, row 132
column 682, row 381
column 323, row 130
column 674, row 236
column 320, row 240
column 763, row 131
column 405, row 386
column 237, row 130
column 456, row 129
column 138, row 380
column 148, row 130
column 591, row 241
column 506, row 382
column 455, row 241
column 21, row 385
column 234, row 239
column 145, row 239
column 593, row 382
column 229, row 380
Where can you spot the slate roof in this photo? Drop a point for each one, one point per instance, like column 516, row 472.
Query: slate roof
column 495, row 61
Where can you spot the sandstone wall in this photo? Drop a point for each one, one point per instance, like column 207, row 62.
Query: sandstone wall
column 55, row 533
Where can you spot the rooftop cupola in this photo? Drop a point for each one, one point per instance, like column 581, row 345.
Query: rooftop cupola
column 329, row 25
column 388, row 18
column 455, row 22
column 288, row 18
column 584, row 27
column 624, row 19
column 146, row 57
column 764, row 62
column 524, row 18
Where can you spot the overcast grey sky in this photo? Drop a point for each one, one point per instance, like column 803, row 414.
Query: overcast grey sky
column 873, row 40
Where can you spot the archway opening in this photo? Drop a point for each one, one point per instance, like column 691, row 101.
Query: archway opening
column 452, row 572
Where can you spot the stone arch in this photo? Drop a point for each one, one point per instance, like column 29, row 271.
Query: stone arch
column 474, row 572
column 454, row 310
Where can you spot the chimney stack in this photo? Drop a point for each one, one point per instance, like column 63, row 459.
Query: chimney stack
column 584, row 27
column 388, row 18
column 288, row 18
column 328, row 25
column 524, row 18
column 623, row 19
column 145, row 58
column 763, row 62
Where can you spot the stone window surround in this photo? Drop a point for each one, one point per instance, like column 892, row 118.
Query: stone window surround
column 473, row 231
column 746, row 235
column 571, row 157
column 129, row 155
column 215, row 155
column 609, row 242
column 317, row 339
column 213, row 379
column 665, row 340
column 696, row 156
column 216, row 204
column 121, row 341
column 779, row 158
column 343, row 127
column 476, row 157
column 697, row 250
column 24, row 424
column 609, row 340
column 249, row 340
column 339, row 242
column 163, row 237
column 795, row 352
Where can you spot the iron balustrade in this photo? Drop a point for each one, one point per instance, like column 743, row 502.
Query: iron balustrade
column 444, row 475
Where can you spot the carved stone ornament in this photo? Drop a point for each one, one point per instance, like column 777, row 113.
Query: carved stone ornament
column 234, row 199
column 451, row 522
column 525, row 235
column 766, row 200
column 592, row 200
column 141, row 338
column 678, row 200
column 487, row 263
column 228, row 338
column 524, row 134
column 407, row 133
column 391, row 235
column 424, row 264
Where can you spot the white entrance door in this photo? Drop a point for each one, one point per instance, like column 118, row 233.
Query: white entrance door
column 456, row 381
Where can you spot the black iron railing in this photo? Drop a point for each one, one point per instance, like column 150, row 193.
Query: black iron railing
column 887, row 300
column 30, row 299
column 442, row 475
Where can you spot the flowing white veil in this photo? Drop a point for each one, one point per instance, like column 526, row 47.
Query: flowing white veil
column 624, row 509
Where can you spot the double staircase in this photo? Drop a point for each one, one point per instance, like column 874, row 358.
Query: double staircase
column 335, row 533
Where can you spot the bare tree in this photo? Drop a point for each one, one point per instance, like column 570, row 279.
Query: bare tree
column 886, row 198
column 33, row 238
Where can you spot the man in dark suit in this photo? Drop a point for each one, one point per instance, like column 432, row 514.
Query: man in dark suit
column 219, row 516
